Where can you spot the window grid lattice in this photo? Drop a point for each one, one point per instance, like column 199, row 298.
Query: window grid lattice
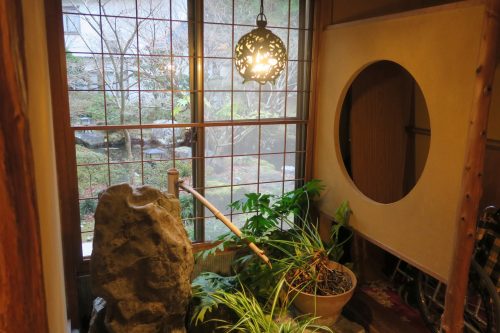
column 131, row 105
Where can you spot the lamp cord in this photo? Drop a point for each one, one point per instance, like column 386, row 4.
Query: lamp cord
column 262, row 7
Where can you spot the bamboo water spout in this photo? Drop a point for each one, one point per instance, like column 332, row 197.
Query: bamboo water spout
column 173, row 187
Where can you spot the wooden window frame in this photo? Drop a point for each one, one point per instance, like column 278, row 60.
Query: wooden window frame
column 75, row 264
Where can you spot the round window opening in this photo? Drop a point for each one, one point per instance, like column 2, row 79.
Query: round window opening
column 384, row 132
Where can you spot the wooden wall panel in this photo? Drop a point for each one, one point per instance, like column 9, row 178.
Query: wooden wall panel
column 419, row 228
column 22, row 298
column 380, row 111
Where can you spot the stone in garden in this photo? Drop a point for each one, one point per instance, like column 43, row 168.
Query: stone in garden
column 141, row 261
column 165, row 136
column 183, row 152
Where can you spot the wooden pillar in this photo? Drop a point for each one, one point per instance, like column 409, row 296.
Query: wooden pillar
column 22, row 296
column 323, row 16
column 471, row 189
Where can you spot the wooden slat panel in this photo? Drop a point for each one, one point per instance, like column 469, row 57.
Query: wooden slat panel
column 381, row 106
column 22, row 298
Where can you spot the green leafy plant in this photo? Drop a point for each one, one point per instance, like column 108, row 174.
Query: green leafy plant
column 305, row 263
column 300, row 257
column 251, row 316
column 267, row 212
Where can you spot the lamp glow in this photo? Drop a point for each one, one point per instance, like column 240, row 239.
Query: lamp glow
column 260, row 54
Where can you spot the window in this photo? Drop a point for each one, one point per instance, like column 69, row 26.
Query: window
column 152, row 85
column 71, row 22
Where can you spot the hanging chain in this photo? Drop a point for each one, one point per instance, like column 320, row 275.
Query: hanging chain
column 261, row 18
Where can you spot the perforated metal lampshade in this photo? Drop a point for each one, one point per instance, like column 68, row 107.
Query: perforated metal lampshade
column 260, row 55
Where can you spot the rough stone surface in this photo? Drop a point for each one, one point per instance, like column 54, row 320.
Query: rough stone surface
column 141, row 261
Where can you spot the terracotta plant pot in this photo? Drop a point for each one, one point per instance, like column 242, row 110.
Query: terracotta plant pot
column 326, row 307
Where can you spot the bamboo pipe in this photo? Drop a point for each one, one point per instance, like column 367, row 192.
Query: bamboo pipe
column 173, row 179
column 234, row 229
column 471, row 188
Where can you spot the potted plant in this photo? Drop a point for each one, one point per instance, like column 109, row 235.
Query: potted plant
column 248, row 314
column 317, row 283
column 301, row 260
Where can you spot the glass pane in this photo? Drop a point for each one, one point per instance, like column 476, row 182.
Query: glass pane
column 87, row 7
column 124, row 145
column 246, row 140
column 187, row 205
column 271, row 168
column 87, row 243
column 179, row 10
column 240, row 191
column 183, row 148
column 218, row 141
column 120, row 72
column 119, row 35
column 156, row 107
column 180, row 41
column 154, row 37
column 218, row 11
column 217, row 106
column 217, row 74
column 291, row 138
column 217, row 171
column 272, row 139
column 214, row 228
column 189, row 226
column 245, row 105
column 245, row 12
column 155, row 73
column 92, row 179
column 159, row 142
column 154, row 9
column 240, row 219
column 180, row 73
column 87, row 210
column 272, row 188
column 155, row 174
column 130, row 173
column 182, row 107
column 294, row 13
column 91, row 147
column 185, row 168
column 245, row 169
column 153, row 151
column 122, row 107
column 290, row 162
column 217, row 40
column 293, row 45
column 291, row 105
column 182, row 137
column 118, row 8
column 220, row 197
column 272, row 104
column 89, row 37
column 86, row 108
column 84, row 71
column 293, row 67
column 276, row 12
